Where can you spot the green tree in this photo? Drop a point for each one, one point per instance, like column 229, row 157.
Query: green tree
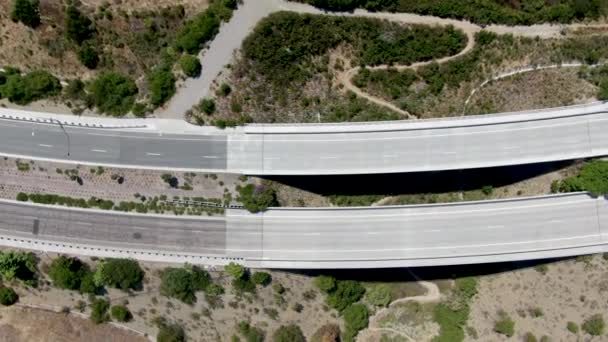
column 379, row 295
column 119, row 273
column 356, row 317
column 67, row 272
column 170, row 332
column 346, row 293
column 88, row 55
column 18, row 265
column 78, row 27
column 288, row 333
column 162, row 85
column 177, row 283
column 113, row 93
column 26, row 11
column 190, row 65
column 235, row 270
column 99, row 311
column 8, row 296
column 121, row 313
column 261, row 278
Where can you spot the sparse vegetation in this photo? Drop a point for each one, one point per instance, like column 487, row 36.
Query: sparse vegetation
column 505, row 325
column 572, row 327
column 594, row 325
column 453, row 315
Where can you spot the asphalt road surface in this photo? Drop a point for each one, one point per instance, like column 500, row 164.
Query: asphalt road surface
column 460, row 233
column 359, row 148
column 113, row 147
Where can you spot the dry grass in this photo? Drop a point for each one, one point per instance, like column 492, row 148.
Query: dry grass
column 18, row 324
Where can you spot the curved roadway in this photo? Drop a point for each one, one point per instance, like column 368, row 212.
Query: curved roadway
column 313, row 149
column 423, row 235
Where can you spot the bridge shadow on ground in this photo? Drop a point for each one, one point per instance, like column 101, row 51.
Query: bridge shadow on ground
column 419, row 182
column 431, row 273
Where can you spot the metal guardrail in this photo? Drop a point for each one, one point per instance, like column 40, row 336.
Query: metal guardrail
column 203, row 204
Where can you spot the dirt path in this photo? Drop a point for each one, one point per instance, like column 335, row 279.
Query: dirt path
column 432, row 295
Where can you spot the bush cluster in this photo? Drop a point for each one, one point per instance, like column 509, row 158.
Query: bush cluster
column 191, row 66
column 198, row 31
column 288, row 333
column 99, row 311
column 523, row 12
column 121, row 313
column 26, row 11
column 170, row 332
column 18, row 266
column 72, row 274
column 257, row 198
column 283, row 43
column 241, row 278
column 161, row 82
column 340, row 293
column 8, row 296
column 592, row 177
column 183, row 283
column 453, row 318
column 23, row 89
column 356, row 317
column 113, row 93
column 249, row 332
column 124, row 274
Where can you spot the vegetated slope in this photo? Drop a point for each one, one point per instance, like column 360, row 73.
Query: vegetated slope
column 438, row 90
column 287, row 63
column 510, row 12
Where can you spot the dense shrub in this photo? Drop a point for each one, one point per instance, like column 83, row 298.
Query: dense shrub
column 261, row 278
column 346, row 293
column 18, row 265
column 26, row 11
column 69, row 273
column 161, row 83
column 8, row 296
column 250, row 333
column 124, row 274
column 207, row 106
column 592, row 177
column 182, row 283
column 594, row 325
column 88, row 55
column 325, row 283
column 283, row 43
column 288, row 333
column 257, row 198
column 113, row 93
column 99, row 311
column 453, row 318
column 379, row 295
column 236, row 271
column 170, row 332
column 356, row 317
column 198, row 31
column 121, row 313
column 77, row 26
column 479, row 11
column 191, row 66
column 30, row 87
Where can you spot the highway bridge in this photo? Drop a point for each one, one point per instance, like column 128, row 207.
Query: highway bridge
column 324, row 238
column 311, row 149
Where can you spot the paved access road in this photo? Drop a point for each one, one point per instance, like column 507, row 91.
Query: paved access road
column 358, row 148
column 461, row 233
